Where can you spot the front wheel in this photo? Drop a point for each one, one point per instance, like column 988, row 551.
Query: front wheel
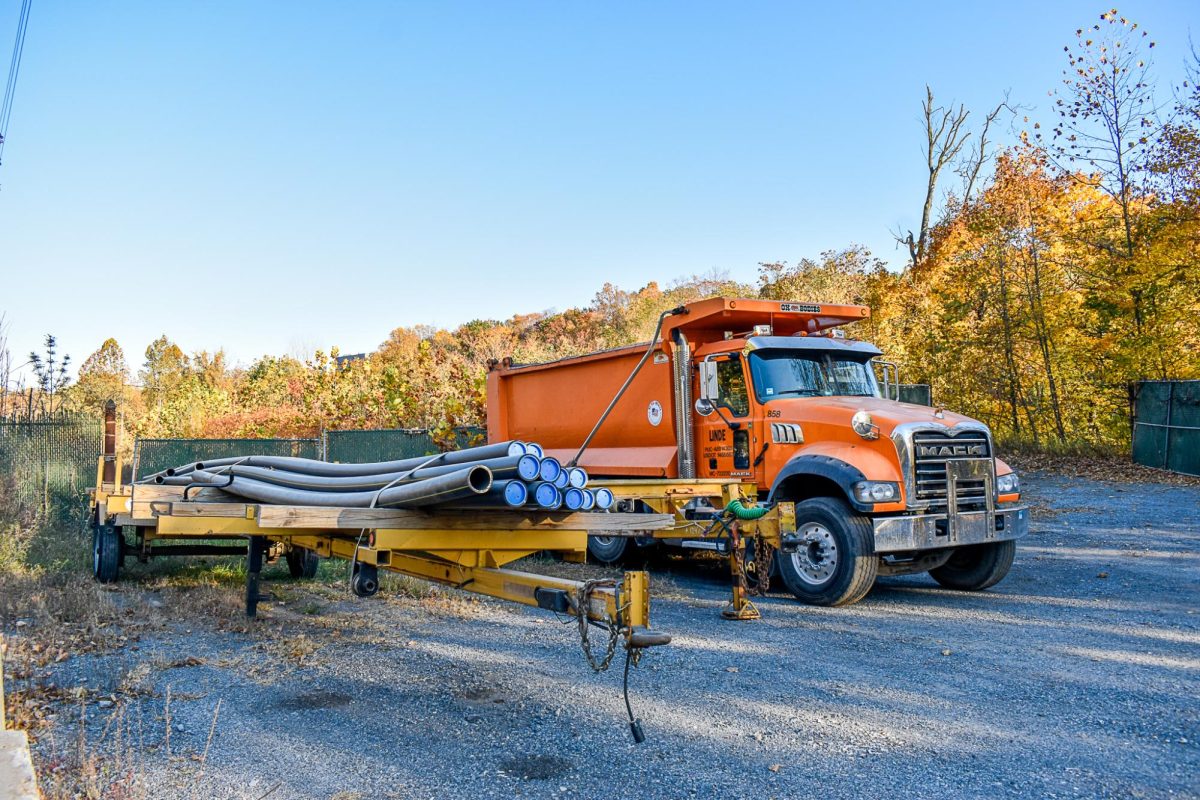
column 833, row 562
column 976, row 567
column 607, row 549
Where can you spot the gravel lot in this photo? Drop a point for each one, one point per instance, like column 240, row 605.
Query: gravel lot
column 1078, row 676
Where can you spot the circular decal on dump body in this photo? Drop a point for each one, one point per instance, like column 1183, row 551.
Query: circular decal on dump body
column 654, row 412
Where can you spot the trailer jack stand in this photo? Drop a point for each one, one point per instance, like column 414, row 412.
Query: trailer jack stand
column 254, row 564
column 740, row 608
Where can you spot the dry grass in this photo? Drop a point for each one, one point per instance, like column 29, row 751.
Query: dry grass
column 1112, row 468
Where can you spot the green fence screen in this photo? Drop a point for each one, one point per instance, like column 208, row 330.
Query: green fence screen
column 1166, row 425
column 918, row 393
column 48, row 466
column 356, row 447
column 154, row 455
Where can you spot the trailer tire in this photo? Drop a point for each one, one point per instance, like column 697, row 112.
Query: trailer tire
column 302, row 562
column 607, row 549
column 365, row 580
column 106, row 552
column 976, row 567
column 834, row 563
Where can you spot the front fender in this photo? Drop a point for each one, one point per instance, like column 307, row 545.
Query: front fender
column 822, row 466
column 845, row 465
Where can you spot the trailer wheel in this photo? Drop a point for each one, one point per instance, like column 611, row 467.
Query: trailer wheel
column 976, row 567
column 106, row 552
column 302, row 562
column 365, row 581
column 833, row 564
column 607, row 549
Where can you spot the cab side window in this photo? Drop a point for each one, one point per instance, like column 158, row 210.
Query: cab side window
column 731, row 387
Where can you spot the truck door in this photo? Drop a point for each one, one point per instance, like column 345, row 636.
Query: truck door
column 725, row 439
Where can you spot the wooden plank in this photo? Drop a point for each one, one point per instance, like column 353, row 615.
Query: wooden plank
column 237, row 510
column 150, row 500
column 332, row 518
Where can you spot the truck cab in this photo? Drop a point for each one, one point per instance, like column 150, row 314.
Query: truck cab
column 768, row 393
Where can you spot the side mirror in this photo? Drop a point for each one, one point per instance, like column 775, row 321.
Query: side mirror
column 704, row 407
column 708, row 382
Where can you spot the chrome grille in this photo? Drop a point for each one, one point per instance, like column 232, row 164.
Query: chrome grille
column 933, row 450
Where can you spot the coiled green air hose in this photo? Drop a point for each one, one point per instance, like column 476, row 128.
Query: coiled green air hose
column 740, row 511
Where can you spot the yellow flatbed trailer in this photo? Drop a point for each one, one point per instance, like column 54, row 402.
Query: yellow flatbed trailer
column 464, row 549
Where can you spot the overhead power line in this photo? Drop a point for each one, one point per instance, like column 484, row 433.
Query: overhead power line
column 14, row 71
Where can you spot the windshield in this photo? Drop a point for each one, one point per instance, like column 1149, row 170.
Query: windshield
column 791, row 373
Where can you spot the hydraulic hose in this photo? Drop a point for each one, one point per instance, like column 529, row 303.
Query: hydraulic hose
column 744, row 513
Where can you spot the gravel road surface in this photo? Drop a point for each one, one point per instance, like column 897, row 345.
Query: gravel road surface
column 1078, row 676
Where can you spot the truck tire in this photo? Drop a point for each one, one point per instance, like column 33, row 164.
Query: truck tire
column 976, row 567
column 834, row 563
column 106, row 552
column 607, row 549
column 302, row 562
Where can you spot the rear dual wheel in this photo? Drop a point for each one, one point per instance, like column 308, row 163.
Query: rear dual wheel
column 976, row 567
column 607, row 549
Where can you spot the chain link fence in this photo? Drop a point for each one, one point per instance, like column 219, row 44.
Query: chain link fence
column 155, row 455
column 47, row 466
column 1166, row 425
column 361, row 446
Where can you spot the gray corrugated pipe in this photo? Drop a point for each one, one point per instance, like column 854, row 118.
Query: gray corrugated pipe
column 464, row 483
column 310, row 466
column 511, row 467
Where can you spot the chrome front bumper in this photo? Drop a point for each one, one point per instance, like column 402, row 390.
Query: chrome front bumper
column 933, row 531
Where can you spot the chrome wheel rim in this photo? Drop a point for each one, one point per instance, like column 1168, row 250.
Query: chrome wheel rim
column 604, row 541
column 816, row 558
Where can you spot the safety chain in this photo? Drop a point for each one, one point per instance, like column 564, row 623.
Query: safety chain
column 764, row 558
column 581, row 601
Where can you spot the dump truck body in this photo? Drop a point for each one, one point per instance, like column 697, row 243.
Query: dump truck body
column 796, row 412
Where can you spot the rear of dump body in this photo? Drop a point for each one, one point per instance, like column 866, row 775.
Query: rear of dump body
column 558, row 402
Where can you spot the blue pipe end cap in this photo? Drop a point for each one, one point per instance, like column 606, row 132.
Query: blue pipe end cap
column 574, row 499
column 515, row 493
column 529, row 468
column 546, row 495
column 550, row 469
column 604, row 498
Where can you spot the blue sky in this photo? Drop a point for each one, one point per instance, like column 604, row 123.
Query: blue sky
column 273, row 177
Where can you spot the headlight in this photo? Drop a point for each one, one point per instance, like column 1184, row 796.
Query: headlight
column 864, row 426
column 876, row 492
column 1008, row 484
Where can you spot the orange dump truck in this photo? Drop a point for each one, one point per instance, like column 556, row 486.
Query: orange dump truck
column 763, row 392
